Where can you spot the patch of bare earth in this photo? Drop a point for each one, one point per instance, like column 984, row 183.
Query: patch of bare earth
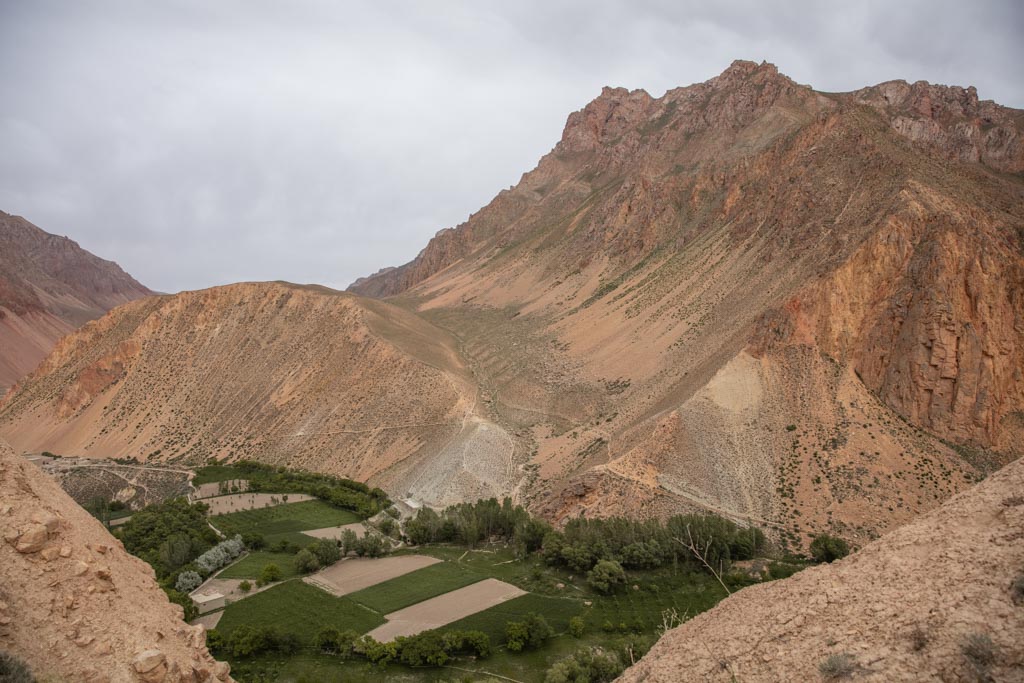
column 336, row 532
column 354, row 574
column 444, row 609
column 239, row 502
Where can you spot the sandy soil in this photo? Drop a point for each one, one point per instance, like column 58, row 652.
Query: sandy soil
column 351, row 575
column 238, row 502
column 444, row 609
column 336, row 531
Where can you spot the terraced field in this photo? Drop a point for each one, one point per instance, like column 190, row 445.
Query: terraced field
column 299, row 608
column 414, row 587
column 249, row 566
column 284, row 522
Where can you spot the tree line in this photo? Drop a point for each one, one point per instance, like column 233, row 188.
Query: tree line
column 584, row 543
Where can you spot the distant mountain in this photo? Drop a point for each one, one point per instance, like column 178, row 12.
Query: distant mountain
column 795, row 308
column 48, row 287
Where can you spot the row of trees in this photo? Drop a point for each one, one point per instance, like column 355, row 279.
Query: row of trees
column 648, row 544
column 472, row 523
column 341, row 492
column 430, row 648
column 584, row 543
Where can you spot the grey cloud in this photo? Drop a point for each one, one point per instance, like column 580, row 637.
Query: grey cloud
column 199, row 143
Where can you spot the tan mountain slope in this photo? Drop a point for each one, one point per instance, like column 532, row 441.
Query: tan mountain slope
column 750, row 297
column 74, row 606
column 48, row 287
column 280, row 373
column 904, row 608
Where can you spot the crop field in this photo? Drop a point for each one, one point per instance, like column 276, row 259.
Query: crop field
column 296, row 607
column 557, row 612
column 440, row 611
column 414, row 587
column 249, row 566
column 284, row 522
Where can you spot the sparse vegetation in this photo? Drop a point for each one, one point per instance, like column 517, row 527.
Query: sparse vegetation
column 918, row 639
column 13, row 670
column 838, row 666
column 1017, row 589
column 980, row 653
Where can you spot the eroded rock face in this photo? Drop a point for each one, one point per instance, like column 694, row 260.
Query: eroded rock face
column 74, row 606
column 950, row 120
column 900, row 609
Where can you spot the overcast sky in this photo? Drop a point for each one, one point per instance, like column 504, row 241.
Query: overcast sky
column 211, row 141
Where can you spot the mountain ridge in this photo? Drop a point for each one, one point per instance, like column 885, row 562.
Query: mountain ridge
column 49, row 286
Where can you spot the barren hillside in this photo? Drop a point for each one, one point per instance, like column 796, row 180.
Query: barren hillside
column 280, row 373
column 48, row 287
column 74, row 606
column 941, row 599
column 800, row 308
column 795, row 308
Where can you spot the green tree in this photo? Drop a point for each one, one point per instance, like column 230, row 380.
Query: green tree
column 270, row 573
column 325, row 550
column 327, row 640
column 530, row 633
column 348, row 541
column 577, row 627
column 606, row 576
column 826, row 548
column 306, row 562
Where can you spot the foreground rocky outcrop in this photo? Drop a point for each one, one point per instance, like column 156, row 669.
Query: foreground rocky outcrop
column 48, row 287
column 940, row 599
column 74, row 606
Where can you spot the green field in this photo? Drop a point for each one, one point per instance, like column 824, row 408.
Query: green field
column 414, row 587
column 249, row 567
column 284, row 522
column 557, row 612
column 296, row 607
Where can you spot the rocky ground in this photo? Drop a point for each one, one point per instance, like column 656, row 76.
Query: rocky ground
column 74, row 606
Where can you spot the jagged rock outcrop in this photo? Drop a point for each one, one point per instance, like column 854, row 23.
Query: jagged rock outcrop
column 750, row 297
column 904, row 608
column 74, row 605
column 48, row 287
